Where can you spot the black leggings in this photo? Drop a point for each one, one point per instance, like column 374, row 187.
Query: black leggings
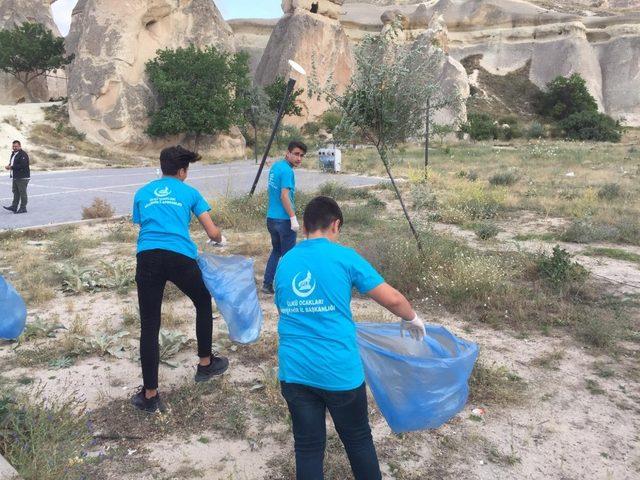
column 154, row 268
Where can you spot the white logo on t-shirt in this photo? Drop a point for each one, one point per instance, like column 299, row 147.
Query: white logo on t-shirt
column 303, row 288
column 162, row 192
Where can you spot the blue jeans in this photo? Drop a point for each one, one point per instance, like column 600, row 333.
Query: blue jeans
column 348, row 409
column 283, row 239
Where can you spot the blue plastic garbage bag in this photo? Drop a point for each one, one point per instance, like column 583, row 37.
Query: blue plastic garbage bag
column 230, row 282
column 13, row 312
column 416, row 385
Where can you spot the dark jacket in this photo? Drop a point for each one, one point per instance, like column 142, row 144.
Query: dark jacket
column 20, row 165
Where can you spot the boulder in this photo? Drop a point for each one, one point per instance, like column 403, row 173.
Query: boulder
column 109, row 94
column 314, row 41
column 327, row 8
column 14, row 13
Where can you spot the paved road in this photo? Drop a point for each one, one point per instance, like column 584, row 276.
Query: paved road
column 58, row 197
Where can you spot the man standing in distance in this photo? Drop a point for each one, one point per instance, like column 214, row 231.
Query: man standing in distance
column 281, row 215
column 21, row 174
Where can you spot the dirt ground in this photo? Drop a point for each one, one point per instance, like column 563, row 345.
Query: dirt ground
column 567, row 411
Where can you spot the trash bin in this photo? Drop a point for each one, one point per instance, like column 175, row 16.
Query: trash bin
column 330, row 159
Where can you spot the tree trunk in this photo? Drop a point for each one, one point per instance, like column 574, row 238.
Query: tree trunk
column 25, row 83
column 384, row 157
column 426, row 140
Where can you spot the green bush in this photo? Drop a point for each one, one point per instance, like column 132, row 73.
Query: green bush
column 513, row 130
column 609, row 191
column 311, row 128
column 565, row 96
column 558, row 268
column 480, row 126
column 330, row 119
column 535, row 130
column 423, row 197
column 486, row 230
column 590, row 125
column 504, row 178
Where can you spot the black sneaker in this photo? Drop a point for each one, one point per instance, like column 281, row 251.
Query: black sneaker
column 149, row 405
column 217, row 367
column 268, row 289
column 22, row 210
column 11, row 209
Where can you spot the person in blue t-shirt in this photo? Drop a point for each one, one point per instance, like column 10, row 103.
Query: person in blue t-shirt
column 166, row 252
column 319, row 364
column 281, row 214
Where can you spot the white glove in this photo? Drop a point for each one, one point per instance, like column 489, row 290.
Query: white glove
column 221, row 243
column 295, row 226
column 415, row 328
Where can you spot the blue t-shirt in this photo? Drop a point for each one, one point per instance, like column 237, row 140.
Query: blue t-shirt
column 280, row 176
column 317, row 333
column 163, row 210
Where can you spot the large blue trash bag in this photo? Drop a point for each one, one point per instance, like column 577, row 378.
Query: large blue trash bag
column 13, row 312
column 230, row 282
column 416, row 385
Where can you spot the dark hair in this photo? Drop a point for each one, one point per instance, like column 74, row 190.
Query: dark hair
column 16, row 141
column 296, row 144
column 173, row 159
column 320, row 213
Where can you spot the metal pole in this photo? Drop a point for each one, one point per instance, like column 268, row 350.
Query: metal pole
column 281, row 110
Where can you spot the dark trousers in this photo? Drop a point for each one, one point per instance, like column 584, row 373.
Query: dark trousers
column 283, row 239
column 348, row 410
column 154, row 268
column 19, row 188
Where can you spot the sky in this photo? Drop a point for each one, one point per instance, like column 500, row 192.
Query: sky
column 229, row 8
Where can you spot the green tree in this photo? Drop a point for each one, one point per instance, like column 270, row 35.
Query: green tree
column 29, row 51
column 565, row 96
column 199, row 91
column 387, row 100
column 276, row 91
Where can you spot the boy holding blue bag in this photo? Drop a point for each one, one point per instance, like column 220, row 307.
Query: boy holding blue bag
column 166, row 252
column 319, row 362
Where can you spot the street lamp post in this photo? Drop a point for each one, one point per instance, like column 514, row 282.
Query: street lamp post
column 290, row 85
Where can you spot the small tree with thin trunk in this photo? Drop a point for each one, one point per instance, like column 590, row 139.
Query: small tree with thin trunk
column 29, row 51
column 386, row 101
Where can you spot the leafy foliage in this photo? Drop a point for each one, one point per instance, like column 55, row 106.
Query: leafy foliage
column 558, row 268
column 565, row 96
column 591, row 125
column 386, row 101
column 197, row 91
column 276, row 91
column 29, row 51
column 480, row 126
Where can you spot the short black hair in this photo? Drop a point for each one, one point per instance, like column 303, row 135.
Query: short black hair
column 16, row 141
column 297, row 144
column 173, row 159
column 320, row 213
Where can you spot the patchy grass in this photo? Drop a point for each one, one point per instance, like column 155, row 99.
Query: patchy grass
column 615, row 253
column 43, row 439
column 495, row 385
column 549, row 360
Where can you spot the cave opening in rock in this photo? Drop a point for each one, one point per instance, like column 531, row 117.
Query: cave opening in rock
column 150, row 24
column 314, row 7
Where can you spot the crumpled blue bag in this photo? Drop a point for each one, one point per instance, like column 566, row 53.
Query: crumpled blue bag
column 231, row 283
column 13, row 312
column 417, row 385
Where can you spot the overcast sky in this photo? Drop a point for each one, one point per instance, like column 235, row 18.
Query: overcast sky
column 229, row 8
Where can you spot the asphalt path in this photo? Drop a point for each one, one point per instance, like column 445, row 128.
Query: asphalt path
column 58, row 197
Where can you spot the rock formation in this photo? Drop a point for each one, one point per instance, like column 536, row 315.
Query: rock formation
column 14, row 13
column 315, row 41
column 109, row 94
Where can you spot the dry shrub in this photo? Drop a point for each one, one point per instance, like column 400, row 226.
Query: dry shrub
column 100, row 208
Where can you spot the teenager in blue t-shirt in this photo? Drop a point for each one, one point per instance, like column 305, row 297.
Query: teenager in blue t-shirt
column 319, row 363
column 166, row 252
column 281, row 214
